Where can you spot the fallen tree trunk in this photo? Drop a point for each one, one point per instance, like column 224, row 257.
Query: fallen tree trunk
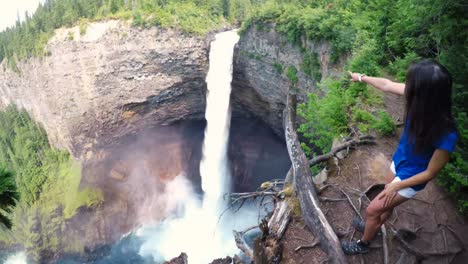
column 308, row 198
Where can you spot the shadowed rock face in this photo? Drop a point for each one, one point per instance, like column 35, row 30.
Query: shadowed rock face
column 259, row 88
column 110, row 82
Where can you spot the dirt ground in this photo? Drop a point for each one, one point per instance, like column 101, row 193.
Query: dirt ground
column 431, row 214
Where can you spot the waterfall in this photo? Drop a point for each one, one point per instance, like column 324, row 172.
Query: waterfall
column 214, row 169
column 18, row 258
column 202, row 230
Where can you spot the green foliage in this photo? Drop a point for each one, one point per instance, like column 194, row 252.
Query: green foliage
column 47, row 180
column 385, row 124
column 278, row 67
column 83, row 27
column 311, row 66
column 454, row 176
column 71, row 35
column 296, row 19
column 252, row 55
column 399, row 67
column 291, row 73
column 8, row 196
column 326, row 118
column 28, row 38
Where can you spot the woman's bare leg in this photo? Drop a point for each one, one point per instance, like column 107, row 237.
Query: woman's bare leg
column 387, row 214
column 376, row 212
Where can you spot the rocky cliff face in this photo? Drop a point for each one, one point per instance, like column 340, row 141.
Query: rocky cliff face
column 109, row 82
column 115, row 80
column 260, row 84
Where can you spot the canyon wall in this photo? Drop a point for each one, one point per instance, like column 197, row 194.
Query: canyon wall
column 115, row 80
column 260, row 83
column 109, row 82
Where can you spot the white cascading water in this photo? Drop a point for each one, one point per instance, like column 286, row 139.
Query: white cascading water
column 199, row 230
column 18, row 258
column 214, row 169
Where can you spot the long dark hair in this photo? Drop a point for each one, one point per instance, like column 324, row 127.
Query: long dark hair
column 428, row 93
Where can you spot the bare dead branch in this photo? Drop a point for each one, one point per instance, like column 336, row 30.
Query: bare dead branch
column 248, row 229
column 312, row 245
column 384, row 244
column 323, row 188
column 352, row 204
column 366, row 139
column 242, row 245
column 328, row 199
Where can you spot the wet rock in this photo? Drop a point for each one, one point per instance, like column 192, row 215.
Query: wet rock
column 226, row 260
column 321, row 177
column 181, row 259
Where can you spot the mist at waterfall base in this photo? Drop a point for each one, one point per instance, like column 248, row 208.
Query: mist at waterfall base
column 177, row 210
column 198, row 227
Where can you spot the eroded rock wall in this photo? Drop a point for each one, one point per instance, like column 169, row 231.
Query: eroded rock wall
column 259, row 86
column 109, row 82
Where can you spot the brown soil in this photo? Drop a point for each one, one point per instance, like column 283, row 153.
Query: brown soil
column 431, row 214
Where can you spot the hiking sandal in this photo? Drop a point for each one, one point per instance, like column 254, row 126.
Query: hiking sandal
column 355, row 247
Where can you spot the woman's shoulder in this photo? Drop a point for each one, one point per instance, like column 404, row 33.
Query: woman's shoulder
column 448, row 140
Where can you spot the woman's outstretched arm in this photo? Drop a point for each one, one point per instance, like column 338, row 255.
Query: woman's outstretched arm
column 380, row 83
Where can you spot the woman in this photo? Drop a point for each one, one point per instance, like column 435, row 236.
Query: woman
column 428, row 139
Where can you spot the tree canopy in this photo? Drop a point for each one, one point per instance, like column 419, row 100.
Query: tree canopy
column 8, row 196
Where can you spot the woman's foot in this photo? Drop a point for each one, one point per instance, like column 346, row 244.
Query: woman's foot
column 355, row 247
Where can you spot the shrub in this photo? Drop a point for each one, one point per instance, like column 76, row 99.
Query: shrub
column 83, row 25
column 311, row 66
column 325, row 118
column 71, row 36
column 385, row 124
column 278, row 67
column 291, row 73
column 454, row 176
column 399, row 67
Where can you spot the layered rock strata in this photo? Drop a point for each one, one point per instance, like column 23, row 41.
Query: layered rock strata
column 113, row 80
column 260, row 82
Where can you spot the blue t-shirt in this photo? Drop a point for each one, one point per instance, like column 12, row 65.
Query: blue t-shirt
column 408, row 164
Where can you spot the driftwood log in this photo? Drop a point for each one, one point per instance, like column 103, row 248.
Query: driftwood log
column 308, row 198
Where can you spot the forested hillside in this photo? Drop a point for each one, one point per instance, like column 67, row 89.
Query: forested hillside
column 28, row 38
column 47, row 183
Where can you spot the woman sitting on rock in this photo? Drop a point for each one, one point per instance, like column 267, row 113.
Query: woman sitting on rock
column 428, row 138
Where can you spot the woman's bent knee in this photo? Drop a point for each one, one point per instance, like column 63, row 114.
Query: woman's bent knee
column 373, row 211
